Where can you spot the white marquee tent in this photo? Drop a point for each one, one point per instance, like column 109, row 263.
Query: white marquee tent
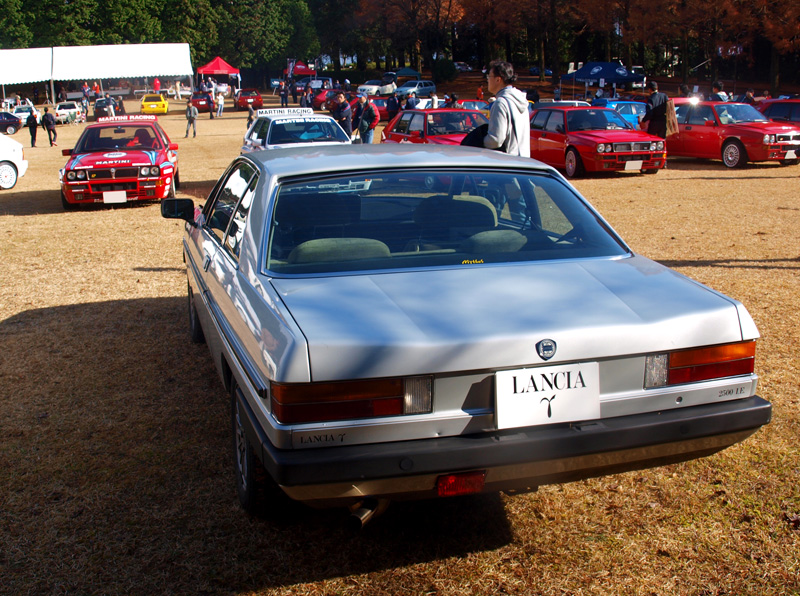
column 71, row 63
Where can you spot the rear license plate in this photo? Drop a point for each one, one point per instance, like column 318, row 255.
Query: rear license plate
column 547, row 395
column 791, row 154
column 115, row 196
column 634, row 165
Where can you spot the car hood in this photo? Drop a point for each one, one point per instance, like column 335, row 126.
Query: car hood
column 761, row 128
column 484, row 318
column 614, row 136
column 112, row 158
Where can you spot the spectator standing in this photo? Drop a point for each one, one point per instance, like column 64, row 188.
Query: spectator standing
column 434, row 100
column 343, row 114
column 283, row 92
column 49, row 124
column 111, row 105
column 220, row 104
column 293, row 89
column 684, row 90
column 411, row 101
column 156, row 85
column 86, row 91
column 717, row 93
column 251, row 115
column 748, row 97
column 656, row 115
column 96, row 90
column 191, row 118
column 32, row 125
column 210, row 100
column 392, row 105
column 369, row 119
column 509, row 125
column 479, row 92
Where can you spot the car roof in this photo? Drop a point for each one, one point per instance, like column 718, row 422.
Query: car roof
column 441, row 111
column 339, row 159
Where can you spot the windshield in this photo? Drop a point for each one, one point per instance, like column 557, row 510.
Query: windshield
column 733, row 113
column 408, row 85
column 597, row 119
column 305, row 130
column 451, row 218
column 124, row 137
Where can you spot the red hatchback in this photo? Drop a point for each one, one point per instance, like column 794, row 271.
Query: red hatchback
column 592, row 139
column 733, row 132
column 202, row 101
column 248, row 97
column 441, row 127
column 120, row 159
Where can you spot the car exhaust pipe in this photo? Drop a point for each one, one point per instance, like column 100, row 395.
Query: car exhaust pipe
column 362, row 512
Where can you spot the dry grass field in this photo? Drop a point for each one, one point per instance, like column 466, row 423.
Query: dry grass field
column 115, row 448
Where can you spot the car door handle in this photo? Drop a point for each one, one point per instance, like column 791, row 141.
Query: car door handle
column 206, row 263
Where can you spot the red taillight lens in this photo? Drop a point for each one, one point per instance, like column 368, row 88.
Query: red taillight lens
column 466, row 483
column 321, row 402
column 715, row 362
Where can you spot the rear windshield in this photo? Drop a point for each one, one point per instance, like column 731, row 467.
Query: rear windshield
column 399, row 220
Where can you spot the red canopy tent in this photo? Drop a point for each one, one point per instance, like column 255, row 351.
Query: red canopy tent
column 217, row 67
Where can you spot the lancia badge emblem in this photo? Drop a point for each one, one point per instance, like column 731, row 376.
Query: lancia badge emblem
column 546, row 349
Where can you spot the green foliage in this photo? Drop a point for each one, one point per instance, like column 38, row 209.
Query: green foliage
column 444, row 71
column 14, row 32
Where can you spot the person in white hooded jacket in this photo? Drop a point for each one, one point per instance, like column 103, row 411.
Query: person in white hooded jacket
column 509, row 122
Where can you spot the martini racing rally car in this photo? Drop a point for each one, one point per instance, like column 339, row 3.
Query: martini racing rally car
column 120, row 159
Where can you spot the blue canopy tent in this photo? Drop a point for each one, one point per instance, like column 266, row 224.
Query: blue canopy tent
column 592, row 73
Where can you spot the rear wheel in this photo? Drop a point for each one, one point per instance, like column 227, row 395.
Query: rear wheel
column 8, row 175
column 10, row 130
column 573, row 165
column 734, row 154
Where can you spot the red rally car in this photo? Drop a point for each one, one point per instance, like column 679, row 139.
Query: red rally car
column 120, row 159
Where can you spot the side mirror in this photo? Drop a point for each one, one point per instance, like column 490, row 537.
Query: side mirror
column 173, row 146
column 416, row 134
column 178, row 209
column 66, row 152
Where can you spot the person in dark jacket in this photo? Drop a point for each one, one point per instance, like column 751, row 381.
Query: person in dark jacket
column 656, row 115
column 32, row 125
column 343, row 114
column 49, row 124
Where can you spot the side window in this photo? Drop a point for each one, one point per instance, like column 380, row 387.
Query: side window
column 625, row 109
column 402, row 125
column 555, row 123
column 233, row 240
column 539, row 120
column 417, row 123
column 260, row 131
column 681, row 111
column 224, row 204
column 778, row 111
column 700, row 115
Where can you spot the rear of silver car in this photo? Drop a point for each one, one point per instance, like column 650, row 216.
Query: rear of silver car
column 443, row 322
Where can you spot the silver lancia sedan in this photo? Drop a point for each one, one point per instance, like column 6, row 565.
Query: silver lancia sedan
column 400, row 322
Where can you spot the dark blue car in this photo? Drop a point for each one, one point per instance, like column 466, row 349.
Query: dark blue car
column 9, row 123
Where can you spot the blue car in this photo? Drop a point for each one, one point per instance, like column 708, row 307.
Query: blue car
column 9, row 123
column 629, row 110
column 534, row 70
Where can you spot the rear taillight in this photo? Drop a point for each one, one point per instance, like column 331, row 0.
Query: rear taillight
column 700, row 364
column 324, row 402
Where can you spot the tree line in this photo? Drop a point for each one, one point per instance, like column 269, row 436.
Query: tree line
column 757, row 40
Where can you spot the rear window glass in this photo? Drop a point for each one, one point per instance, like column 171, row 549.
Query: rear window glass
column 400, row 220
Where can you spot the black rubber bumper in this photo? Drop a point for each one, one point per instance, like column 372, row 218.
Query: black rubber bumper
column 645, row 432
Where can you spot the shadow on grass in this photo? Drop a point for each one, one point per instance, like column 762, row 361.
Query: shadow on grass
column 45, row 202
column 116, row 464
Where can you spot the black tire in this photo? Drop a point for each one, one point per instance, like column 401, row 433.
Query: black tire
column 790, row 162
column 67, row 206
column 8, row 175
column 257, row 491
column 573, row 164
column 177, row 180
column 195, row 329
column 734, row 154
column 650, row 171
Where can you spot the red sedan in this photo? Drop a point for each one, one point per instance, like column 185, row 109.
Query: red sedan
column 246, row 98
column 781, row 110
column 442, row 127
column 734, row 132
column 592, row 139
column 202, row 101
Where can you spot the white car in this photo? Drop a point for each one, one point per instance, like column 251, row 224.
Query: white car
column 279, row 128
column 383, row 87
column 22, row 112
column 67, row 111
column 421, row 88
column 13, row 164
column 462, row 67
